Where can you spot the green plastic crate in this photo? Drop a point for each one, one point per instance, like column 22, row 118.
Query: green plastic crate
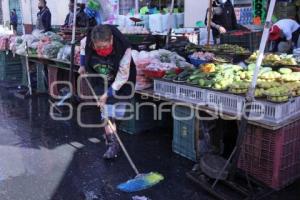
column 10, row 67
column 11, row 72
column 41, row 87
column 146, row 119
column 185, row 134
column 7, row 57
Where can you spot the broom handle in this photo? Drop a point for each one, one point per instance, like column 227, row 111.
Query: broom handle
column 28, row 69
column 115, row 132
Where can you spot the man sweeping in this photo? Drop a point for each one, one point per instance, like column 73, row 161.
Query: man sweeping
column 108, row 53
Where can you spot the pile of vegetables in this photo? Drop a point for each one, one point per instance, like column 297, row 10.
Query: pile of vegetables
column 203, row 56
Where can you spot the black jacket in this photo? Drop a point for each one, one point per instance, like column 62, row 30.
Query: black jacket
column 82, row 20
column 223, row 15
column 120, row 45
column 45, row 14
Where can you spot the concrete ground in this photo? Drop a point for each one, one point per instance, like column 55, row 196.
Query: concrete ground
column 43, row 159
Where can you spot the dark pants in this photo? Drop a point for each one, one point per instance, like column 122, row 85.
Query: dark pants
column 295, row 37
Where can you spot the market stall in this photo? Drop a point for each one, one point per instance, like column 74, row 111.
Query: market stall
column 213, row 80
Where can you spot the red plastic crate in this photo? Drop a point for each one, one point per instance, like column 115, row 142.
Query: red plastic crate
column 272, row 157
column 84, row 90
column 154, row 74
column 52, row 77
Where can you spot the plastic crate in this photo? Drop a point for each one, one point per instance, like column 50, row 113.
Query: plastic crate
column 165, row 88
column 246, row 39
column 11, row 72
column 84, row 90
column 191, row 94
column 223, row 102
column 137, row 38
column 176, row 91
column 184, row 134
column 143, row 118
column 272, row 157
column 197, row 62
column 275, row 112
column 52, row 77
column 154, row 74
column 7, row 57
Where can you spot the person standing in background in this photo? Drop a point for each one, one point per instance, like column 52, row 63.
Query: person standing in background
column 43, row 21
column 70, row 15
column 14, row 20
column 223, row 18
column 82, row 19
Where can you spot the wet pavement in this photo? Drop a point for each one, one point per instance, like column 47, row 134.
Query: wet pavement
column 43, row 159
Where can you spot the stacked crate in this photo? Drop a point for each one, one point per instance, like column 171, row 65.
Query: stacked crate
column 10, row 67
column 285, row 10
column 185, row 132
column 272, row 157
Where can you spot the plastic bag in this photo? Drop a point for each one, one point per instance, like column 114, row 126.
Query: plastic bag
column 33, row 45
column 21, row 49
column 66, row 53
column 37, row 34
column 204, row 35
column 155, row 23
column 53, row 36
column 165, row 21
column 51, row 50
column 179, row 20
column 121, row 20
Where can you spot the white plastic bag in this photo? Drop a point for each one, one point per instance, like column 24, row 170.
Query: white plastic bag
column 180, row 19
column 121, row 21
column 166, row 24
column 204, row 35
column 155, row 23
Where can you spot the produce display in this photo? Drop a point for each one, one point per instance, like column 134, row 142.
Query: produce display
column 273, row 85
column 278, row 94
column 239, row 87
column 274, row 59
column 226, row 48
column 66, row 33
column 51, row 50
column 209, row 57
column 203, row 56
column 217, row 77
column 156, row 64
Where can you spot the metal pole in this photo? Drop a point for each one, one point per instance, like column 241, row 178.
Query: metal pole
column 73, row 46
column 209, row 21
column 136, row 6
column 169, row 24
column 28, row 69
column 250, row 95
column 262, row 47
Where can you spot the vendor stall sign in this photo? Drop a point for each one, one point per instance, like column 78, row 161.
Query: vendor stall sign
column 259, row 11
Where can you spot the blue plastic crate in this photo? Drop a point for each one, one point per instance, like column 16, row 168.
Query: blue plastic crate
column 184, row 134
column 197, row 62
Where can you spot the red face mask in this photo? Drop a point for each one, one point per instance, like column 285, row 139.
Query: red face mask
column 104, row 52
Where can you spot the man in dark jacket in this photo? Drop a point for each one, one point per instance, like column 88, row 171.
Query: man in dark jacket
column 82, row 20
column 43, row 21
column 108, row 54
column 223, row 18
